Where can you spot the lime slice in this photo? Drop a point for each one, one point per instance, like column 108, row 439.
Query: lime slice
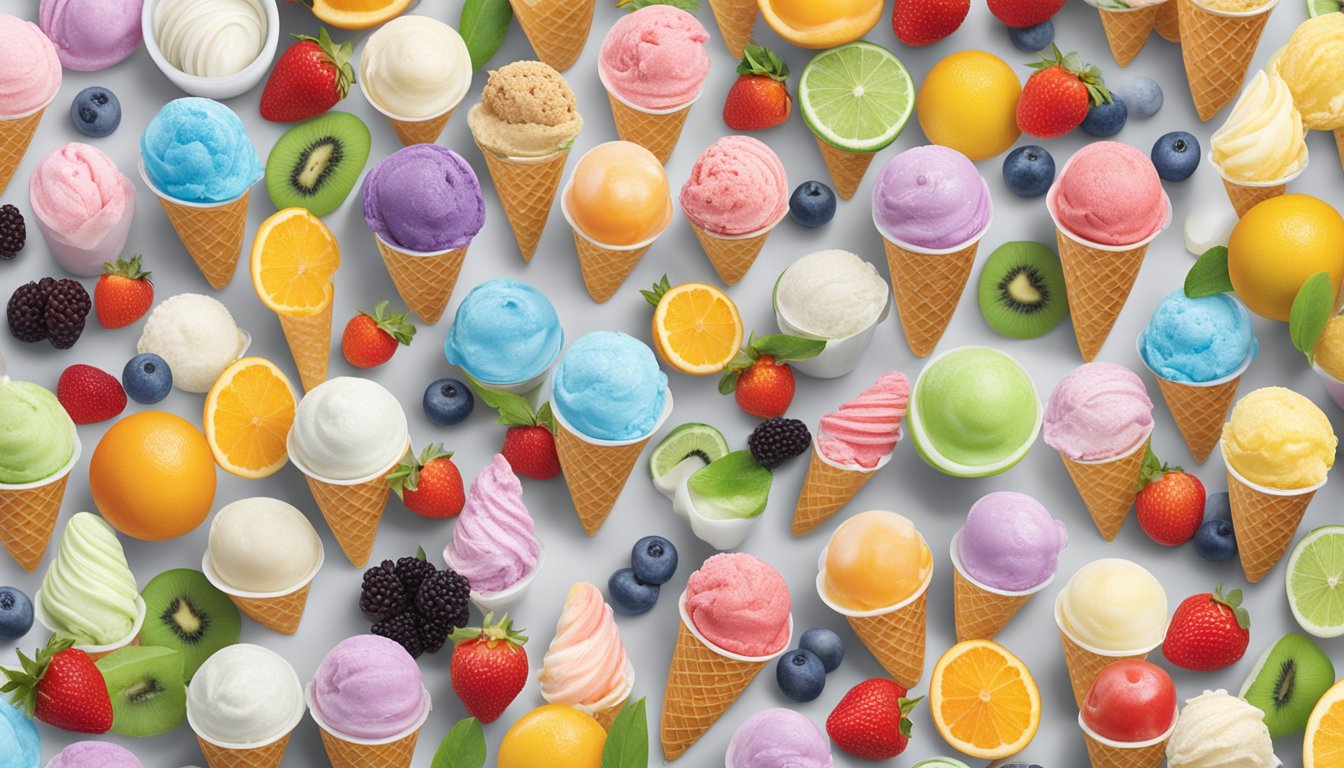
column 699, row 440
column 1315, row 581
column 857, row 97
column 1320, row 7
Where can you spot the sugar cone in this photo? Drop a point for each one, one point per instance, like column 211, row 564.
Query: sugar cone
column 605, row 717
column 1167, row 22
column 281, row 614
column 421, row 131
column 605, row 269
column 269, row 756
column 27, row 518
column 557, row 29
column 735, row 19
column 701, row 685
column 980, row 614
column 594, row 473
column 212, row 235
column 526, row 191
column 353, row 512
column 1339, row 145
column 347, row 754
column 1084, row 665
column 847, row 168
column 425, row 283
column 1199, row 412
column 1245, row 198
column 309, row 341
column 15, row 136
column 656, row 132
column 731, row 257
column 826, row 489
column 927, row 288
column 1108, row 488
column 1217, row 50
column 896, row 639
column 1102, row 755
column 1098, row 283
column 1127, row 31
column 1264, row 524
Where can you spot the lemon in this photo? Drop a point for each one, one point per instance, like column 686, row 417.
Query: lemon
column 553, row 735
column 968, row 102
column 1280, row 243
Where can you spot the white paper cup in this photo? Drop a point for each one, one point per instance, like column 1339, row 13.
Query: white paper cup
column 96, row 651
column 721, row 534
column 208, row 569
column 214, row 87
column 840, row 356
column 498, row 601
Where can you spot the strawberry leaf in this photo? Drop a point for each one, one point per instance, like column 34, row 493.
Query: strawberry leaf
column 1152, row 468
column 127, row 268
column 660, row 289
column 785, row 348
column 1209, row 276
column 463, row 747
column 514, row 411
column 546, row 417
column 484, row 24
column 761, row 61
column 907, row 706
column 1311, row 311
column 627, row 745
column 395, row 325
column 406, row 475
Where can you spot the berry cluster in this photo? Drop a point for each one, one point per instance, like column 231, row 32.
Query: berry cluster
column 775, row 441
column 49, row 309
column 13, row 233
column 414, row 603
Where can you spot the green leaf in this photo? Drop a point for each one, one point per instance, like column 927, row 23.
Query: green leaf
column 635, row 5
column 729, row 382
column 463, row 747
column 483, row 25
column 1209, row 275
column 514, row 411
column 1152, row 468
column 736, row 483
column 627, row 745
column 785, row 348
column 1310, row 313
column 546, row 416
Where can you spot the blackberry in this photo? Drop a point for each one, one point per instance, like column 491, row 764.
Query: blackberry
column 404, row 629
column 27, row 309
column 776, row 441
column 443, row 597
column 13, row 233
column 67, row 307
column 434, row 634
column 412, row 571
column 381, row 596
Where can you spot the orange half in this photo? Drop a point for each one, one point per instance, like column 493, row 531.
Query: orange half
column 248, row 413
column 697, row 328
column 293, row 260
column 358, row 14
column 1323, row 745
column 984, row 700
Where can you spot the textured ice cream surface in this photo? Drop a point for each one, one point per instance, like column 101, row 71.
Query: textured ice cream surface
column 1262, row 139
column 210, row 38
column 1235, row 6
column 197, row 151
column 740, row 604
column 831, row 294
column 493, row 544
column 977, row 406
column 737, row 186
column 655, row 58
column 608, row 386
column 778, row 738
column 88, row 591
column 1130, row 702
column 347, row 428
column 1279, row 439
column 1123, row 5
column 618, row 194
column 1109, row 193
column 94, row 754
column 931, row 197
column 1197, row 340
column 1099, row 411
column 1330, row 347
column 586, row 665
column 1312, row 64
column 1010, row 542
column 30, row 70
column 527, row 109
column 1218, row 730
column 368, row 687
column 504, row 331
column 1114, row 605
column 415, row 67
column 196, row 335
column 424, row 198
column 244, row 694
column 263, row 545
column 90, row 35
column 78, row 192
column 874, row 560
column 20, row 745
column 36, row 434
column 866, row 429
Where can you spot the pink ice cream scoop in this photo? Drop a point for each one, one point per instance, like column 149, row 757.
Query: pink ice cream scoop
column 91, row 34
column 931, row 197
column 30, row 70
column 741, row 604
column 79, row 195
column 1109, row 193
column 368, row 687
column 1010, row 542
column 91, row 754
column 655, row 58
column 1099, row 411
column 493, row 544
column 737, row 187
column 867, row 428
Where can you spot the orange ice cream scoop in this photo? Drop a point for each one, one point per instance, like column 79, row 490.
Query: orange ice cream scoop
column 619, row 195
column 875, row 560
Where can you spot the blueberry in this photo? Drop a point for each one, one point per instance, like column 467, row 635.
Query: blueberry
column 1143, row 96
column 448, row 402
column 1176, row 155
column 16, row 613
column 800, row 675
column 812, row 204
column 1032, row 39
column 96, row 112
column 1106, row 119
column 629, row 594
column 147, row 378
column 654, row 560
column 1217, row 507
column 826, row 645
column 1215, row 540
column 1028, row 171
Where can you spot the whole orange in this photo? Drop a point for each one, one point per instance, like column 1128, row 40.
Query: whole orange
column 1280, row 243
column 152, row 476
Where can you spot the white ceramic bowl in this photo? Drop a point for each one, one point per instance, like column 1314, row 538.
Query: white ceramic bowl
column 215, row 87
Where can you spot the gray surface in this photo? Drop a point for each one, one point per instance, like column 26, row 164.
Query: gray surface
column 937, row 503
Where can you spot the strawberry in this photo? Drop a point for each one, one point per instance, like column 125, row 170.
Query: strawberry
column 759, row 377
column 1208, row 631
column 924, row 22
column 429, row 484
column 872, row 721
column 370, row 340
column 89, row 394
column 61, row 687
column 529, row 443
column 1024, row 13
column 123, row 294
column 309, row 79
column 489, row 667
column 1170, row 504
column 758, row 99
column 1057, row 96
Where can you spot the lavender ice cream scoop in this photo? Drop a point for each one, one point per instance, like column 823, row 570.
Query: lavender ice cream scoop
column 778, row 738
column 493, row 544
column 424, row 198
column 1010, row 542
column 931, row 197
column 368, row 687
column 95, row 754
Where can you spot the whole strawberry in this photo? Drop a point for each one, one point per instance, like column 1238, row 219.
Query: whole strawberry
column 1024, row 13
column 370, row 339
column 489, row 667
column 872, row 720
column 924, row 22
column 1056, row 98
column 62, row 687
column 429, row 484
column 89, row 394
column 1170, row 503
column 1208, row 631
column 529, row 442
column 123, row 294
column 311, row 77
column 759, row 377
column 759, row 99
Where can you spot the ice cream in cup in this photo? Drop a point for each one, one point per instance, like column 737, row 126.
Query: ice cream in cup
column 1128, row 715
column 198, row 338
column 92, row 35
column 723, row 501
column 39, row 446
column 1218, row 40
column 506, row 335
column 415, row 70
column 1262, row 146
column 84, row 206
column 243, row 704
column 777, row 737
column 586, row 666
column 216, row 49
column 736, row 195
column 89, row 593
column 494, row 545
column 369, row 701
column 836, row 297
column 30, row 76
column 1217, row 728
column 1329, row 359
column 1309, row 64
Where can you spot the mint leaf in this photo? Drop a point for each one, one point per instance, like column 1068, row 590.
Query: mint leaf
column 627, row 745
column 463, row 747
column 738, row 486
column 1311, row 311
column 514, row 411
column 483, row 25
column 1209, row 275
column 785, row 348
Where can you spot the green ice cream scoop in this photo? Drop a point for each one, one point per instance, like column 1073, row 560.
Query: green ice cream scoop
column 36, row 434
column 89, row 592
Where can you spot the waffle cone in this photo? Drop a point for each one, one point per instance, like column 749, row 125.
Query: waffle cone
column 896, row 639
column 1108, row 488
column 980, row 614
column 927, row 288
column 1098, row 283
column 1084, row 666
column 526, row 191
column 347, row 754
column 309, row 341
column 1127, row 31
column 421, row 131
column 1199, row 412
column 1217, row 51
column 15, row 136
column 425, row 283
column 826, row 489
column 353, row 512
column 731, row 257
column 605, row 717
column 1264, row 525
column 1167, row 22
column 1245, row 198
column 701, row 685
column 269, row 756
column 847, row 168
column 595, row 474
column 1339, row 145
column 27, row 519
column 605, row 269
column 281, row 614
column 212, row 236
column 1107, row 756
column 658, row 133
column 735, row 19
column 557, row 29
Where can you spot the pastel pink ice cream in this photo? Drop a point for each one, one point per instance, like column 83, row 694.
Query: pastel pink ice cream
column 1099, row 411
column 586, row 665
column 95, row 754
column 30, row 70
column 368, row 687
column 80, row 195
column 737, row 186
column 1010, row 542
column 741, row 604
column 867, row 428
column 655, row 58
column 778, row 738
column 91, row 34
column 493, row 545
column 1109, row 193
column 931, row 197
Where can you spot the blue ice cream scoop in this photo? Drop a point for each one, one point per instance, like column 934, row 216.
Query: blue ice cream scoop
column 19, row 744
column 505, row 331
column 1197, row 340
column 197, row 151
column 608, row 386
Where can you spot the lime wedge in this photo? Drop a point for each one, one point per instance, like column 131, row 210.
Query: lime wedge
column 1320, row 7
column 688, row 440
column 857, row 97
column 1315, row 581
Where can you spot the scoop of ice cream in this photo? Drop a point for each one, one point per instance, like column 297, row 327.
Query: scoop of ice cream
column 347, row 428
column 875, row 559
column 1263, row 139
column 778, row 738
column 1109, row 193
column 196, row 336
column 1010, row 542
column 91, row 34
column 655, row 57
column 212, row 39
column 1216, row 729
column 931, row 197
column 425, row 198
column 1114, row 605
column 368, row 687
column 865, row 429
column 504, row 331
column 415, row 67
column 88, row 591
column 262, row 545
column 586, row 665
column 1330, row 347
column 197, row 151
column 1279, row 439
column 493, row 544
column 608, row 386
column 741, row 604
column 30, row 70
column 1130, row 702
column 1312, row 64
column 244, row 694
column 1099, row 411
column 1197, row 340
column 1235, row 6
column 737, row 186
column 79, row 193
column 831, row 294
column 94, row 754
column 37, row 436
column 618, row 194
column 20, row 745
column 976, row 406
column 527, row 109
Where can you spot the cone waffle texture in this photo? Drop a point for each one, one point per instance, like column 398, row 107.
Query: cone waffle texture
column 15, row 136
column 1217, row 51
column 557, row 29
column 1107, row 756
column 353, row 512
column 980, row 614
column 1108, row 488
column 604, row 269
column 345, row 754
column 1339, row 145
column 1098, row 283
column 309, row 340
column 735, row 19
column 605, row 717
column 1199, row 412
column 269, row 756
column 657, row 133
column 425, row 283
column 421, row 131
column 1264, row 525
column 526, row 191
column 1245, row 198
column 701, row 685
column 281, row 614
column 847, row 168
column 1167, row 22
column 825, row 490
column 731, row 258
column 1084, row 666
column 212, row 236
column 1127, row 31
column 927, row 288
column 896, row 639
column 595, row 474
column 27, row 519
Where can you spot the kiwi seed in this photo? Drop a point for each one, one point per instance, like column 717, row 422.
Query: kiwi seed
column 1021, row 290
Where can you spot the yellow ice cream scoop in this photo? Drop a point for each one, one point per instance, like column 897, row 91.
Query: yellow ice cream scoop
column 1263, row 139
column 1279, row 439
column 1312, row 64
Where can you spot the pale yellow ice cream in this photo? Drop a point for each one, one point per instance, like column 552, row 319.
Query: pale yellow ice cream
column 1234, row 6
column 1217, row 730
column 1312, row 64
column 1279, row 439
column 415, row 67
column 1330, row 347
column 1263, row 139
column 527, row 109
column 1114, row 605
column 196, row 335
column 831, row 294
column 262, row 545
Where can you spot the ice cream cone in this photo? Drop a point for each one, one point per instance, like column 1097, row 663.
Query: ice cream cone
column 735, row 19
column 1085, row 663
column 1264, row 521
column 1098, row 282
column 656, row 130
column 309, row 340
column 1339, row 145
column 828, row 487
column 212, row 233
column 420, row 131
column 1217, row 47
column 1199, row 411
column 557, row 29
column 28, row 512
column 16, row 134
column 847, row 168
column 605, row 717
column 1167, row 22
column 1127, row 30
column 526, row 189
column 350, row 752
column 1245, row 197
column 982, row 611
column 1108, row 487
column 1104, row 753
column 927, row 285
column 895, row 635
column 604, row 267
column 281, row 611
column 353, row 508
column 268, row 756
column 425, row 281
column 731, row 257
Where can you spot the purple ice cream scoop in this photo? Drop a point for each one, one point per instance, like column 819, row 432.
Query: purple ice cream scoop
column 368, row 687
column 778, row 738
column 424, row 198
column 493, row 544
column 1010, row 542
column 931, row 197
column 91, row 35
column 95, row 754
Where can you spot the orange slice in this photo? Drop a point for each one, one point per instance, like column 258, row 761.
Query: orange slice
column 248, row 413
column 357, row 14
column 293, row 260
column 1323, row 746
column 697, row 328
column 984, row 700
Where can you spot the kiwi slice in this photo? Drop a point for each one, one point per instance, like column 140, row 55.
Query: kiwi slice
column 149, row 695
column 1022, row 290
column 316, row 163
column 1287, row 682
column 184, row 611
